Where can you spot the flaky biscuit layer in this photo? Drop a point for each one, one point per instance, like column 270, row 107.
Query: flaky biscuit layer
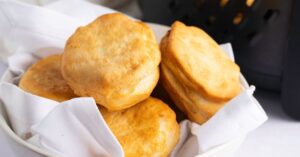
column 206, row 67
column 192, row 103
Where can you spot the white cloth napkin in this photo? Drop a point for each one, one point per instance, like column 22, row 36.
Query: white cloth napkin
column 31, row 32
column 79, row 123
column 74, row 128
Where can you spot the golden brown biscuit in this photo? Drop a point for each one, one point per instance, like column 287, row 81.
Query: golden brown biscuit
column 204, row 65
column 197, row 74
column 114, row 59
column 147, row 129
column 44, row 79
column 196, row 107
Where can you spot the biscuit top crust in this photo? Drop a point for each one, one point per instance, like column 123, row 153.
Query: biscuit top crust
column 202, row 61
column 44, row 78
column 109, row 56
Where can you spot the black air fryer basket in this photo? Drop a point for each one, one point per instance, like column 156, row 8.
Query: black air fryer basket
column 257, row 30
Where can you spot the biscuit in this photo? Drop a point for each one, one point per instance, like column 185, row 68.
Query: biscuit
column 193, row 104
column 196, row 73
column 146, row 129
column 44, row 79
column 204, row 65
column 114, row 60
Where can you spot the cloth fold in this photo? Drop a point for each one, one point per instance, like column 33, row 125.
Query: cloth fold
column 78, row 123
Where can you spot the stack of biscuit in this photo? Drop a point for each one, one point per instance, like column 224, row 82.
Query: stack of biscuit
column 115, row 60
column 198, row 75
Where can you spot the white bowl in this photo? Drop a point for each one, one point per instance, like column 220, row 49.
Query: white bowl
column 22, row 148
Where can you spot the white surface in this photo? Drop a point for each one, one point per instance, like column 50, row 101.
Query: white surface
column 278, row 137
